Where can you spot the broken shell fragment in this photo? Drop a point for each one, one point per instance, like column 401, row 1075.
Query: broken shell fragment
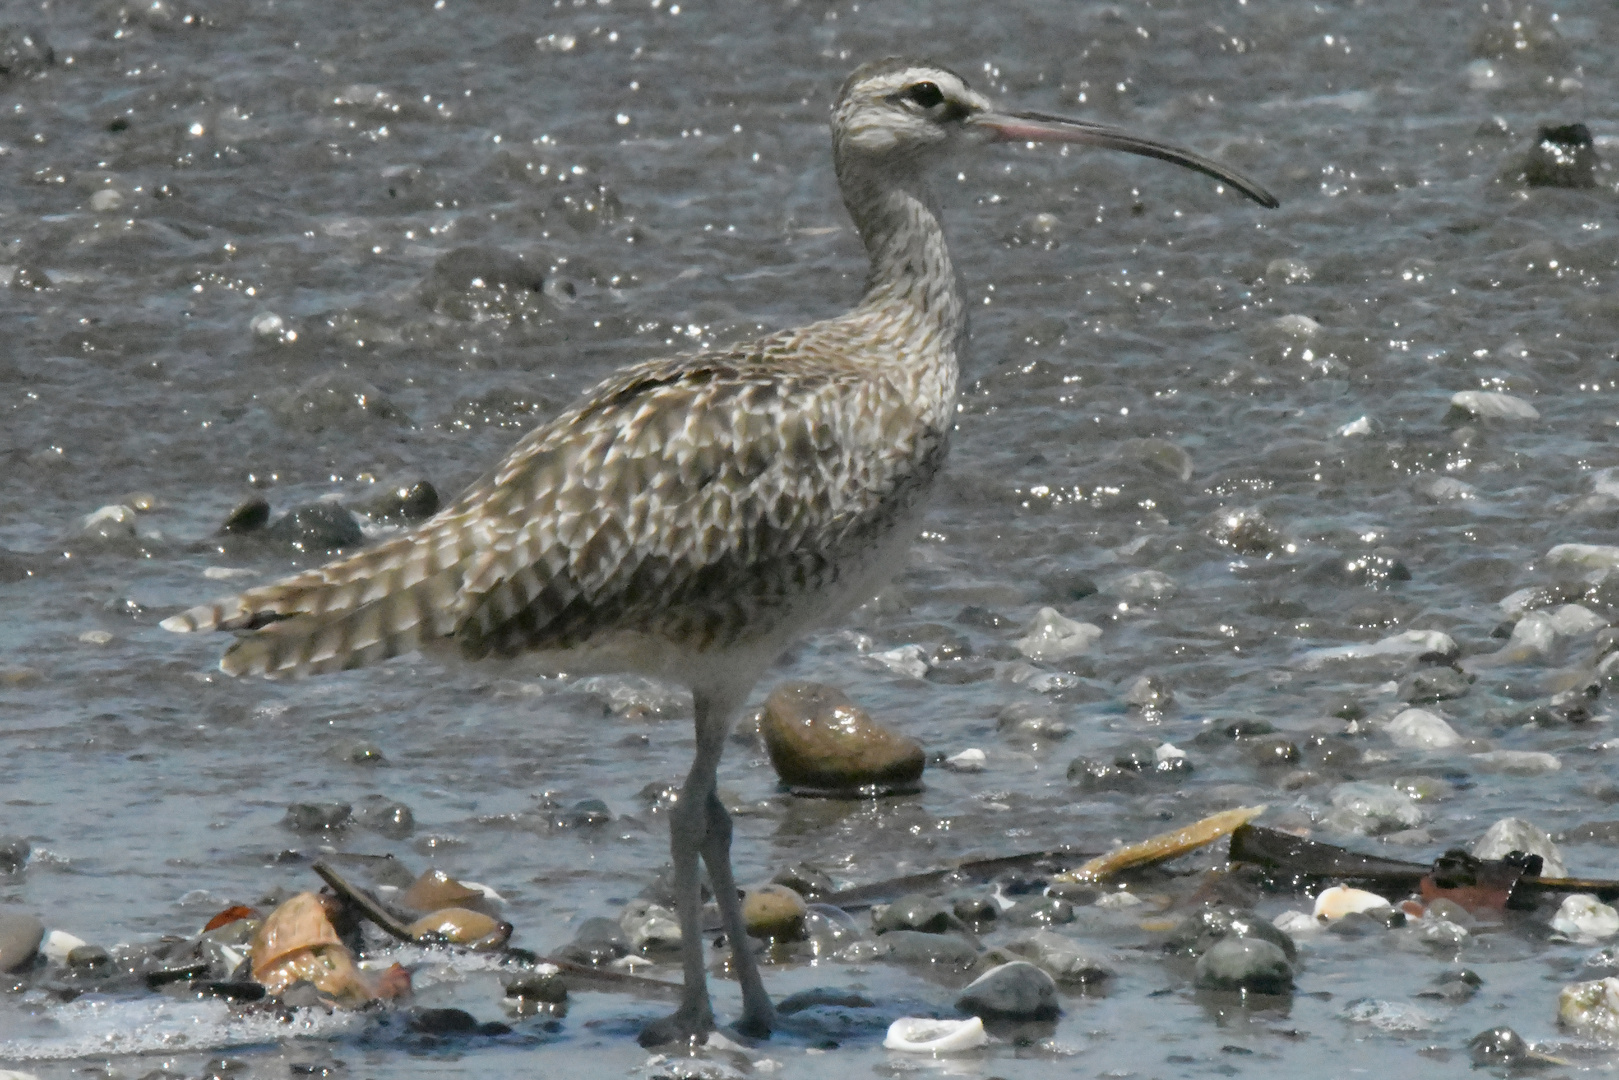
column 299, row 923
column 435, row 890
column 921, row 1035
column 1167, row 845
column 462, row 926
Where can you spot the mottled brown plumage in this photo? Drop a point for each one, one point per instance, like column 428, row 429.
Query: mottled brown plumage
column 688, row 517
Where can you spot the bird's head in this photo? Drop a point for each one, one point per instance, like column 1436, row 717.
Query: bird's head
column 895, row 113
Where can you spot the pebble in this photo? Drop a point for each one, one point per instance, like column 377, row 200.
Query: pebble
column 1516, row 762
column 1498, row 1048
column 1051, row 636
column 1434, row 684
column 1031, row 722
column 393, row 820
column 1144, row 587
column 916, row 947
column 821, row 997
column 335, row 399
column 405, row 504
column 1491, row 405
column 1149, row 693
column 1042, row 911
column 915, row 912
column 14, row 852
column 1515, row 834
column 1063, row 958
column 1419, row 729
column 1017, row 990
column 1584, row 556
column 1576, row 620
column 1590, row 1008
column 1371, row 809
column 922, row 1035
column 1563, row 156
column 909, row 661
column 1339, row 900
column 1585, row 918
column 817, row 738
column 1249, row 964
column 247, row 517
column 1198, row 931
column 1388, row 1015
column 317, row 817
column 598, row 941
column 971, row 760
column 1407, row 645
column 321, row 526
column 774, row 912
column 532, row 990
column 649, row 927
column 110, row 523
column 830, row 928
column 977, row 906
column 805, row 879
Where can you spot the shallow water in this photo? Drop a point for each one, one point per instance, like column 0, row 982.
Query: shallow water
column 264, row 305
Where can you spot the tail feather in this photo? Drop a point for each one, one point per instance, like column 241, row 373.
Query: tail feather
column 375, row 604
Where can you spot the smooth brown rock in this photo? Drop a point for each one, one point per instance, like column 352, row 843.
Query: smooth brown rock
column 774, row 911
column 818, row 738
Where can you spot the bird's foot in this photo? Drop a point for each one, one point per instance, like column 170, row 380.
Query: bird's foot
column 756, row 1023
column 689, row 1027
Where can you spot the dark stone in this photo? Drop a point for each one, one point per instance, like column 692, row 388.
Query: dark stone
column 547, row 989
column 247, row 517
column 411, row 504
column 1015, row 991
column 319, row 526
column 823, row 997
column 1499, row 1047
column 597, row 941
column 317, row 817
column 983, row 618
column 89, row 958
column 391, row 819
column 1040, row 911
column 807, row 881
column 1434, row 684
column 975, row 908
column 229, row 989
column 14, row 852
column 586, row 813
column 1250, row 964
column 916, row 912
column 818, row 739
column 1066, row 585
column 1563, row 156
column 1098, row 776
column 1199, row 930
column 915, row 947
column 1454, row 986
column 442, row 1022
column 1272, row 751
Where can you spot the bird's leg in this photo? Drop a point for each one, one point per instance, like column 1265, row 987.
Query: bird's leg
column 758, row 1015
column 688, row 826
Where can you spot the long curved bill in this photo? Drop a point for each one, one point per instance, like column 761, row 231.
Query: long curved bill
column 1040, row 127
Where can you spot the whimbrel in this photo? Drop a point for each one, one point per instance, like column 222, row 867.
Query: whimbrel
column 690, row 516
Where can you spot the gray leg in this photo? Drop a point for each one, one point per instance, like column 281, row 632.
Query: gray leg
column 758, row 1015
column 688, row 825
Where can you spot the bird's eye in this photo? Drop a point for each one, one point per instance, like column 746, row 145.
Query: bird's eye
column 925, row 94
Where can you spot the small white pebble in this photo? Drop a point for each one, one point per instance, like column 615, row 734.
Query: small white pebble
column 225, row 573
column 1338, row 901
column 1118, row 901
column 106, row 200
column 1585, row 918
column 1295, row 922
column 268, row 324
column 970, row 760
column 1363, row 426
column 95, row 637
column 57, row 944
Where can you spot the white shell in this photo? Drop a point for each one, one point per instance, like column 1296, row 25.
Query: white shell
column 969, row 760
column 920, row 1035
column 1338, row 901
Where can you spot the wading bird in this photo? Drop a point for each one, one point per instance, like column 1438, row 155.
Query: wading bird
column 690, row 516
